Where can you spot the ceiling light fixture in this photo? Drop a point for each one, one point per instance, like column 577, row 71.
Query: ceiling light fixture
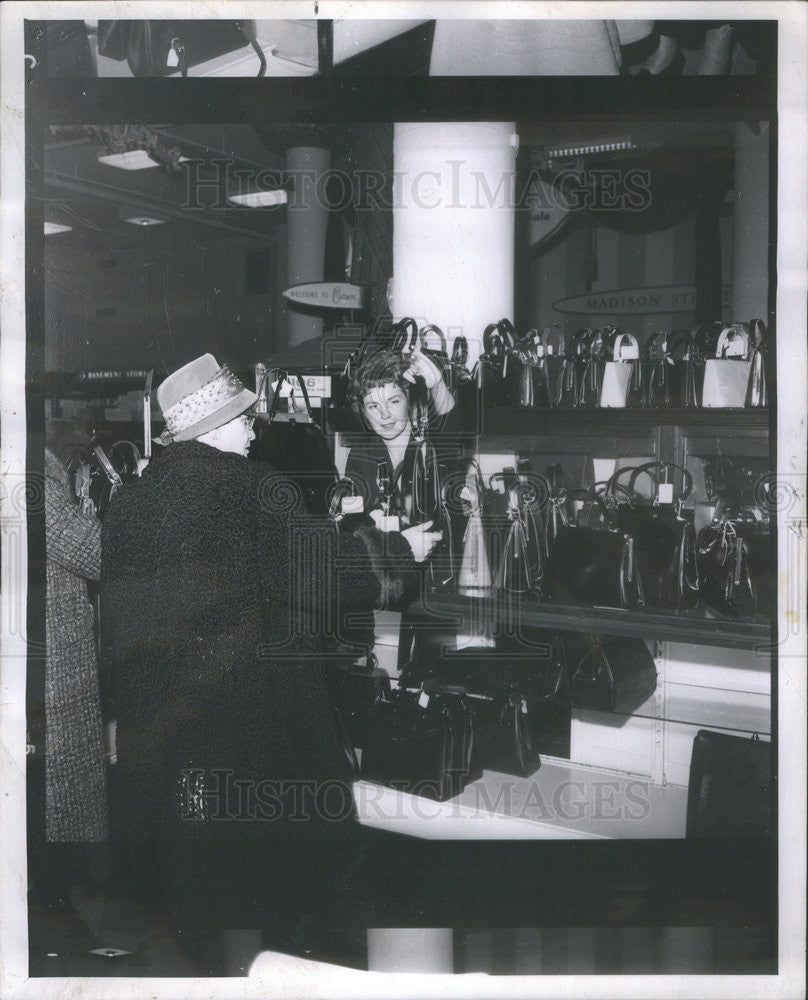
column 56, row 227
column 134, row 159
column 140, row 217
column 260, row 199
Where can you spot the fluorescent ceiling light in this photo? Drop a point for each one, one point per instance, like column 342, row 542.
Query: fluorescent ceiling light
column 135, row 159
column 56, row 227
column 142, row 219
column 259, row 199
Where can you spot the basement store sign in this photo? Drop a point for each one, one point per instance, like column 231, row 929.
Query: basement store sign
column 633, row 301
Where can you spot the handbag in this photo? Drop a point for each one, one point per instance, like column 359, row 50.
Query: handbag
column 293, row 444
column 589, row 566
column 421, row 743
column 554, row 362
column 758, row 395
column 656, row 365
column 533, row 390
column 727, row 375
column 159, row 48
column 621, row 383
column 738, row 565
column 730, row 786
column 497, row 368
column 465, row 498
column 520, row 565
column 664, row 538
column 353, row 690
column 609, row 673
column 429, row 490
column 680, row 376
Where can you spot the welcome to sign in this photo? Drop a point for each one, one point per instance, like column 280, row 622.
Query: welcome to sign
column 636, row 301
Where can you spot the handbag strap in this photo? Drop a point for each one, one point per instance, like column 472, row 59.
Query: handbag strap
column 460, row 351
column 436, row 330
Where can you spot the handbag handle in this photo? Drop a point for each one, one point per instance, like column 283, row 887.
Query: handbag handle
column 431, row 328
column 460, row 351
column 625, row 348
column 657, row 346
column 283, row 376
column 687, row 479
column 405, row 336
column 608, row 513
column 728, row 337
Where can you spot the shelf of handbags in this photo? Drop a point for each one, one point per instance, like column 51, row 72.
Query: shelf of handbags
column 638, row 555
column 681, row 376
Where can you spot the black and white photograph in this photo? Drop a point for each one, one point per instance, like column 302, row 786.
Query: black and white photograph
column 403, row 484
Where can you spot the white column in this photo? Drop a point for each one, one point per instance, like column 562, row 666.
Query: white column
column 307, row 222
column 410, row 949
column 750, row 270
column 453, row 226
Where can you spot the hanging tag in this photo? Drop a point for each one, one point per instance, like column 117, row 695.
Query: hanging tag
column 389, row 522
column 523, row 707
column 353, row 505
column 173, row 59
column 423, row 699
column 665, row 494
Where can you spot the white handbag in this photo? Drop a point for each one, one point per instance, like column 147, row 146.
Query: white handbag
column 617, row 374
column 726, row 376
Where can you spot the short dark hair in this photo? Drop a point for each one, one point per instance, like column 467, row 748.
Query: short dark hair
column 381, row 368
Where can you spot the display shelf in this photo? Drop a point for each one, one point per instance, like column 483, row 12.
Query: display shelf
column 538, row 420
column 693, row 626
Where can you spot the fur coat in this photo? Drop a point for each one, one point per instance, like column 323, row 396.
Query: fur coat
column 218, row 592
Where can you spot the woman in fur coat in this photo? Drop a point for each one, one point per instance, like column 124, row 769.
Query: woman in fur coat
column 217, row 593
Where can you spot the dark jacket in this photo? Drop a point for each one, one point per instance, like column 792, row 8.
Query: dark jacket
column 217, row 590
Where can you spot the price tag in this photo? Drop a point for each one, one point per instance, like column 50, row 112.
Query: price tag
column 390, row 522
column 423, row 699
column 172, row 59
column 353, row 505
column 523, row 707
column 665, row 493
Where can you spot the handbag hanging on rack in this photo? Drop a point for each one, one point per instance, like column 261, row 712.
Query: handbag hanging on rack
column 588, row 566
column 609, row 673
column 664, row 536
column 497, row 368
column 293, row 444
column 533, row 391
column 758, row 395
column 656, row 365
column 521, row 557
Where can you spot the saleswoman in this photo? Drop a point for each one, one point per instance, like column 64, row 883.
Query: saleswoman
column 381, row 397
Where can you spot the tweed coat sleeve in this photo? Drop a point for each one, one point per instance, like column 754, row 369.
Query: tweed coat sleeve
column 73, row 538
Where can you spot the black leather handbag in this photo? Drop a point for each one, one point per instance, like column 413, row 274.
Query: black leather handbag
column 503, row 738
column 738, row 565
column 608, row 673
column 354, row 690
column 730, row 788
column 293, row 444
column 664, row 539
column 588, row 566
column 498, row 370
column 421, row 743
column 160, row 48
